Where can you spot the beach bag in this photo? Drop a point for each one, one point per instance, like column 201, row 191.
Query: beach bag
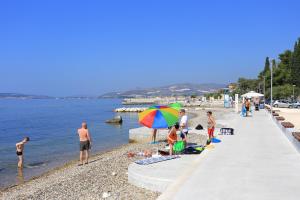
column 178, row 146
column 226, row 131
column 208, row 142
column 244, row 111
column 193, row 150
column 199, row 127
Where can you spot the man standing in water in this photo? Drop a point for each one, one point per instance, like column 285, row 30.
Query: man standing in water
column 20, row 150
column 85, row 143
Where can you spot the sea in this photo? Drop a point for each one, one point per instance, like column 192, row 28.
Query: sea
column 52, row 127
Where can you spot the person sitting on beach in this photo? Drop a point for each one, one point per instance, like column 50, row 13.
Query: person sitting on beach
column 211, row 124
column 183, row 125
column 20, row 150
column 85, row 142
column 172, row 137
column 153, row 136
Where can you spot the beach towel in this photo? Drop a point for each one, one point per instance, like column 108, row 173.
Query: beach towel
column 215, row 140
column 193, row 150
column 149, row 161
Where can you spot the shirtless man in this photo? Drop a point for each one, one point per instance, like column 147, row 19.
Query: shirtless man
column 20, row 149
column 85, row 142
column 211, row 124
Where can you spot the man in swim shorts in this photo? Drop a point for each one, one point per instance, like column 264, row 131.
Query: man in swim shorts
column 183, row 125
column 20, row 150
column 85, row 143
column 211, row 124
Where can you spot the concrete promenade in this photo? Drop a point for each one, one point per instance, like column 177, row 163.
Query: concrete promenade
column 258, row 162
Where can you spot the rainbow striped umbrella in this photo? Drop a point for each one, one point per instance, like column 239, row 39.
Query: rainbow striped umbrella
column 159, row 117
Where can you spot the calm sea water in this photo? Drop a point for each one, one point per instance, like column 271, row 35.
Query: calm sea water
column 52, row 127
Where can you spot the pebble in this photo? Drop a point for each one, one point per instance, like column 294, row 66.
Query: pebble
column 106, row 174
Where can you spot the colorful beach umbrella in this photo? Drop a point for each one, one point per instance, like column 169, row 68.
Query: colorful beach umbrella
column 176, row 106
column 159, row 117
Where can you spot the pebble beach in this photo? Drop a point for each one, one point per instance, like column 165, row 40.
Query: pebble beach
column 105, row 177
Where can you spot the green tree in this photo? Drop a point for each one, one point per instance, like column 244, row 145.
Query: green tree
column 282, row 74
column 246, row 85
column 286, row 73
column 295, row 65
column 266, row 69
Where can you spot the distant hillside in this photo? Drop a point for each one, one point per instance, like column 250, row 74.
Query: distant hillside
column 22, row 96
column 176, row 89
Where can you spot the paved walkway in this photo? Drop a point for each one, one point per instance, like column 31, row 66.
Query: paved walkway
column 258, row 162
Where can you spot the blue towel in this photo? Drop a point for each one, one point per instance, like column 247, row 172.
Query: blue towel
column 149, row 161
column 215, row 140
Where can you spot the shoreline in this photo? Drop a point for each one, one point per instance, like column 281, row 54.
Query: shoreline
column 97, row 162
column 61, row 167
column 75, row 161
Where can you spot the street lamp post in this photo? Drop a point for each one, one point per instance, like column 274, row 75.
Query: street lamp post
column 265, row 85
column 294, row 93
column 271, row 88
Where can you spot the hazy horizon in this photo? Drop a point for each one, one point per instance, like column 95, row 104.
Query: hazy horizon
column 66, row 48
column 95, row 95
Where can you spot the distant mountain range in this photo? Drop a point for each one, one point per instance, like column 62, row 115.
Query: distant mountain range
column 26, row 96
column 22, row 96
column 170, row 90
column 185, row 89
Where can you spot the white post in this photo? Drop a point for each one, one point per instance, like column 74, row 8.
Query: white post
column 236, row 101
column 264, row 85
column 272, row 89
column 294, row 93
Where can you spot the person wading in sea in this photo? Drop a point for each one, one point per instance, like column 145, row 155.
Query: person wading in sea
column 20, row 150
column 85, row 143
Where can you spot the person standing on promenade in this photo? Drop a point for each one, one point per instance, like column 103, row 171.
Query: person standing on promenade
column 247, row 105
column 20, row 150
column 153, row 136
column 85, row 142
column 172, row 137
column 211, row 124
column 183, row 125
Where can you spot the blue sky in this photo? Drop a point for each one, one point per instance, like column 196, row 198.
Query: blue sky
column 74, row 47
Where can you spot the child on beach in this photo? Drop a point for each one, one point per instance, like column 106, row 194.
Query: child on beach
column 211, row 124
column 20, row 150
column 172, row 137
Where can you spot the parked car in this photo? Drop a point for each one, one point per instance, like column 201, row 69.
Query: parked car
column 282, row 104
column 296, row 104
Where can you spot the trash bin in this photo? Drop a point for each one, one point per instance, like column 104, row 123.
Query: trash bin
column 256, row 107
